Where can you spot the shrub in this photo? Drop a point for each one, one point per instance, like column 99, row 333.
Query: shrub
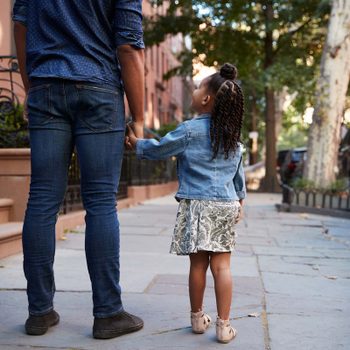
column 303, row 184
column 13, row 129
column 340, row 185
column 165, row 128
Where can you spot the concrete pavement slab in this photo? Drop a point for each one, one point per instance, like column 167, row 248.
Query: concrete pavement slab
column 291, row 271
column 309, row 332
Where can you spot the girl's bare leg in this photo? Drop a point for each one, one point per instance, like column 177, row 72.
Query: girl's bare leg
column 220, row 268
column 197, row 279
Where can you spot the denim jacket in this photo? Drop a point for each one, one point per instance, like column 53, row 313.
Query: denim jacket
column 200, row 176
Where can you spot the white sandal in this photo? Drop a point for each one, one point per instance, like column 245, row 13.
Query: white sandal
column 224, row 331
column 200, row 322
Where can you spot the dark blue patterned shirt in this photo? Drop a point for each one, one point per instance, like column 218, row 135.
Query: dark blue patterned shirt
column 77, row 39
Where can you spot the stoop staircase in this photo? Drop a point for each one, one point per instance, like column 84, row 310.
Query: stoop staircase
column 10, row 232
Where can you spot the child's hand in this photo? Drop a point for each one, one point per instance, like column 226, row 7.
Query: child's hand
column 240, row 212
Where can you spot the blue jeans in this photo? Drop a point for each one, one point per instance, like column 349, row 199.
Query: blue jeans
column 90, row 117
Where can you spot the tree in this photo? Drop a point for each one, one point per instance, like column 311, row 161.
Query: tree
column 275, row 43
column 324, row 135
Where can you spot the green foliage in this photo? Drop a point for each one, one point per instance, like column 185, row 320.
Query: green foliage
column 303, row 184
column 340, row 185
column 13, row 129
column 292, row 138
column 236, row 31
column 165, row 128
column 294, row 130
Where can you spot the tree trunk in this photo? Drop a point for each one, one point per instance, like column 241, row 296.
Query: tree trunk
column 324, row 135
column 269, row 182
column 280, row 100
column 253, row 158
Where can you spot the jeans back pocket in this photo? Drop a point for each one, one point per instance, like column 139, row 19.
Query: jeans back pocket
column 100, row 109
column 38, row 104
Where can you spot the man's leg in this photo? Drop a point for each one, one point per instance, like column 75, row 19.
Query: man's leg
column 99, row 140
column 51, row 147
column 50, row 161
column 100, row 157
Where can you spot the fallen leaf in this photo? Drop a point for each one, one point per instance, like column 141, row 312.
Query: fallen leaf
column 331, row 277
column 304, row 216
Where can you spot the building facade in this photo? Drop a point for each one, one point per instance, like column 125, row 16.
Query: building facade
column 166, row 101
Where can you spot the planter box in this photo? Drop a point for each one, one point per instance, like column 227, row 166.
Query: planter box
column 15, row 179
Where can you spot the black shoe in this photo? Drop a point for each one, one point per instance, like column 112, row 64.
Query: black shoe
column 38, row 325
column 115, row 326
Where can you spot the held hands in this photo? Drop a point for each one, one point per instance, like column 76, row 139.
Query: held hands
column 131, row 138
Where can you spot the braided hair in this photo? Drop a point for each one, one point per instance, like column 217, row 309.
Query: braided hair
column 227, row 114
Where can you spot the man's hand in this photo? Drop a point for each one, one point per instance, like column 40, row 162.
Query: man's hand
column 130, row 139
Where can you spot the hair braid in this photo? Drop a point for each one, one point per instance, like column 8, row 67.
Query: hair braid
column 227, row 114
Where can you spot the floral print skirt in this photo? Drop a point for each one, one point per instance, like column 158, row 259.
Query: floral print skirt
column 205, row 225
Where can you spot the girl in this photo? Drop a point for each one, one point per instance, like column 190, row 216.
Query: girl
column 211, row 190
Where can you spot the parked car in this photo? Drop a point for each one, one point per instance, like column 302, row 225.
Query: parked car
column 281, row 156
column 293, row 165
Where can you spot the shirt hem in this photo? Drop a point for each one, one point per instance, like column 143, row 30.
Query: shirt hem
column 75, row 78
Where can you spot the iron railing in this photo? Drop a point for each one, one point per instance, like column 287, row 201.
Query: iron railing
column 134, row 173
column 9, row 99
column 316, row 198
column 148, row 172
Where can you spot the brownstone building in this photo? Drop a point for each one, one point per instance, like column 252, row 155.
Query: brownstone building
column 166, row 101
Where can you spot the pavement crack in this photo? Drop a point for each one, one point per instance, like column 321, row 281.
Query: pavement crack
column 171, row 330
column 304, row 225
column 291, row 273
column 13, row 289
column 264, row 319
column 43, row 347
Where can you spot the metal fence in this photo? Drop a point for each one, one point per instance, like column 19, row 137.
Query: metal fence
column 317, row 199
column 9, row 87
column 134, row 173
column 147, row 172
column 72, row 200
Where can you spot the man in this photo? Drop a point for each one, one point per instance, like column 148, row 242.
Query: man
column 76, row 58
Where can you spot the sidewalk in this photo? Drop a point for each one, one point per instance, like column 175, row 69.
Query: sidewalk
column 291, row 271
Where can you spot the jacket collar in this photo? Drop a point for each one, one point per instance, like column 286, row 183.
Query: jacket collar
column 202, row 116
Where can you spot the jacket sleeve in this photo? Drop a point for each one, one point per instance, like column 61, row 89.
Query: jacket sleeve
column 239, row 181
column 172, row 144
column 19, row 13
column 128, row 23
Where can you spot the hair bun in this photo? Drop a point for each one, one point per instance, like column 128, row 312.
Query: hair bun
column 228, row 71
